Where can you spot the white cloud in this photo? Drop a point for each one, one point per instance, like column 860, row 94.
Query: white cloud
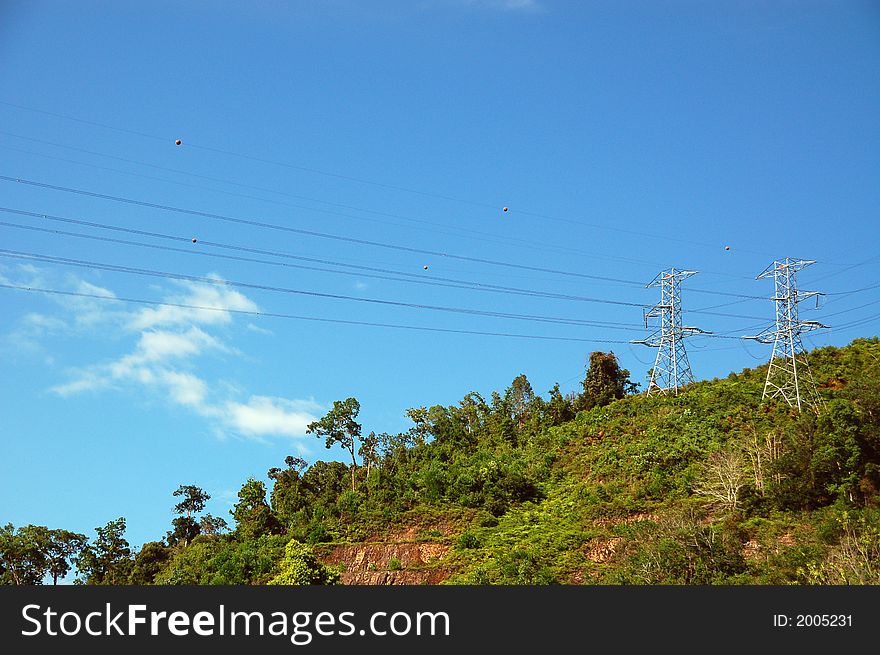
column 27, row 335
column 263, row 415
column 156, row 345
column 153, row 347
column 85, row 381
column 26, row 275
column 42, row 322
column 187, row 389
column 259, row 330
column 88, row 312
column 83, row 286
column 216, row 300
column 170, row 341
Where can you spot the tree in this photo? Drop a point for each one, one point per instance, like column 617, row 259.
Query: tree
column 339, row 427
column 519, row 400
column 212, row 525
column 23, row 554
column 855, row 560
column 252, row 514
column 723, row 478
column 822, row 459
column 62, row 550
column 325, row 482
column 682, row 548
column 28, row 555
column 369, row 451
column 194, row 500
column 763, row 457
column 605, row 381
column 421, row 430
column 558, row 410
column 186, row 528
column 286, row 497
column 149, row 562
column 299, row 566
column 107, row 560
column 472, row 412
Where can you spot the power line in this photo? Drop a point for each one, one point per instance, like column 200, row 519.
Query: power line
column 858, row 322
column 323, row 235
column 402, row 276
column 727, row 293
column 82, row 120
column 852, row 291
column 852, row 309
column 264, row 287
column 458, row 231
column 300, row 317
column 708, row 313
column 399, row 276
column 724, row 304
column 394, row 187
column 210, row 280
column 317, row 171
column 848, row 268
column 483, row 236
column 285, row 228
column 262, row 160
column 532, row 244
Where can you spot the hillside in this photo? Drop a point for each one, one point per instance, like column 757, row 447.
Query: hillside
column 603, row 487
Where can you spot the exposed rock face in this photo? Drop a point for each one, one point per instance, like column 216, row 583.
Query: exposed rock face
column 372, row 563
column 602, row 550
column 632, row 518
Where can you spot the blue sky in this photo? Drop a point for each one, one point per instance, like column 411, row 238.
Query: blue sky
column 623, row 138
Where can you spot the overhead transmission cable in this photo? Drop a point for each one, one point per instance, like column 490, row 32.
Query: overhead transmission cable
column 468, row 232
column 286, row 228
column 360, row 180
column 66, row 261
column 323, row 235
column 297, row 316
column 402, row 276
column 384, row 273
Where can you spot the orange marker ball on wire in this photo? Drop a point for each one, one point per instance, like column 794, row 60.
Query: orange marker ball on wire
column 177, row 142
column 504, row 209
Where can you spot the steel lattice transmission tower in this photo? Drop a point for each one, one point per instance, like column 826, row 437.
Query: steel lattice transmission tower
column 788, row 374
column 672, row 369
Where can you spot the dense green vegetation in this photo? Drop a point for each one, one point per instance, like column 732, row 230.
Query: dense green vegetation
column 606, row 486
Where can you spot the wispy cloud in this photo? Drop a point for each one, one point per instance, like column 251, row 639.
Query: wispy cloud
column 259, row 330
column 37, row 322
column 84, row 380
column 187, row 389
column 216, row 302
column 89, row 311
column 263, row 415
column 144, row 365
column 167, row 344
